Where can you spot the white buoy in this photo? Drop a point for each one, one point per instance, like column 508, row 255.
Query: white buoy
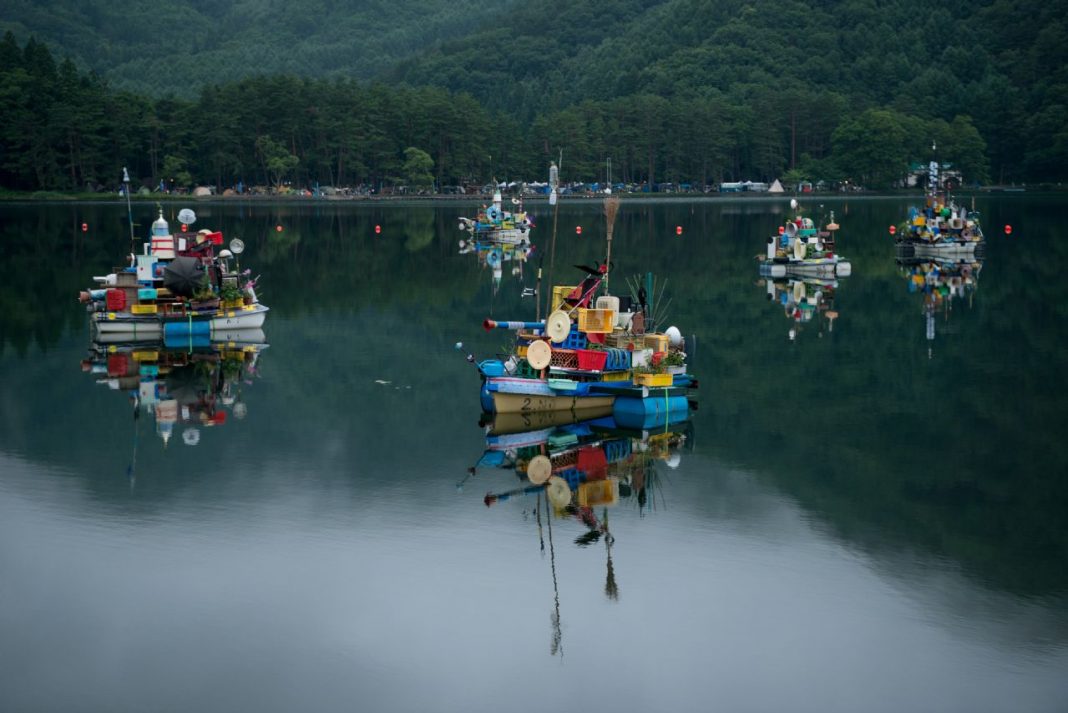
column 674, row 336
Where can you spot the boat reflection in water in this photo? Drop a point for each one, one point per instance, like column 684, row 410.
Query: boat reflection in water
column 494, row 257
column 497, row 236
column 576, row 466
column 940, row 282
column 807, row 302
column 190, row 383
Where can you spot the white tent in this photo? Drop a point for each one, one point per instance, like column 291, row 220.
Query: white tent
column 776, row 187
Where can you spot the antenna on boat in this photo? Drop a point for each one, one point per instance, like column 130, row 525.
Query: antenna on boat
column 554, row 185
column 611, row 207
column 129, row 211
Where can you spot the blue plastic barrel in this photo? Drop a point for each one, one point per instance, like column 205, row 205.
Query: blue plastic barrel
column 186, row 329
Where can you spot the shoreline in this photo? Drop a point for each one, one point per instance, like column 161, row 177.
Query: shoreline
column 85, row 198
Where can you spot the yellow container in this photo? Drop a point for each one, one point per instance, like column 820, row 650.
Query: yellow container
column 142, row 357
column 616, row 376
column 521, row 350
column 596, row 321
column 598, row 492
column 656, row 342
column 559, row 293
column 919, row 220
column 653, row 379
column 143, row 309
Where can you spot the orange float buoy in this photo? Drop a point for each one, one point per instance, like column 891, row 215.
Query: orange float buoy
column 781, row 230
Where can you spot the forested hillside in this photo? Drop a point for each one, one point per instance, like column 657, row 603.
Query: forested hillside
column 178, row 46
column 670, row 91
column 1004, row 63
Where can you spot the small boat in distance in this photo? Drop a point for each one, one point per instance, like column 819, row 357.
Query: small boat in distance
column 942, row 229
column 496, row 227
column 801, row 249
column 177, row 286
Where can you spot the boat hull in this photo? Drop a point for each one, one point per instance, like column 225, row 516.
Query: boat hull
column 823, row 268
column 942, row 250
column 146, row 326
column 510, row 403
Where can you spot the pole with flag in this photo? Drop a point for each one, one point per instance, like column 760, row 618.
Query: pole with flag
column 554, row 186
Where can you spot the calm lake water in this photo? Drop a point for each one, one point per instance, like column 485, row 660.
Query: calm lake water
column 871, row 516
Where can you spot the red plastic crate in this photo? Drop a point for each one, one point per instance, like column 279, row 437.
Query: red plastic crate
column 118, row 365
column 591, row 359
column 115, row 299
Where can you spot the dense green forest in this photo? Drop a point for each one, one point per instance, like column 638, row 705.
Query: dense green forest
column 180, row 46
column 675, row 91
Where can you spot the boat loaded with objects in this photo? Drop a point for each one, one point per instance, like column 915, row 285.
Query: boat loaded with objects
column 804, row 249
column 942, row 229
column 177, row 285
column 594, row 350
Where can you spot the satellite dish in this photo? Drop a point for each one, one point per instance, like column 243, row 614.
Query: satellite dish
column 237, row 246
column 185, row 215
column 539, row 469
column 558, row 492
column 791, row 230
column 539, row 354
column 558, row 326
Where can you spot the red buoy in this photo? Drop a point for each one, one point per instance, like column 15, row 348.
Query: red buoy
column 893, row 229
column 1008, row 229
column 578, row 230
column 185, row 228
column 678, row 230
column 378, row 229
column 781, row 230
column 278, row 228
column 85, row 227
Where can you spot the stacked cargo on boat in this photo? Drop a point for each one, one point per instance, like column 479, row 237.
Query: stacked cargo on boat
column 591, row 352
column 177, row 286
